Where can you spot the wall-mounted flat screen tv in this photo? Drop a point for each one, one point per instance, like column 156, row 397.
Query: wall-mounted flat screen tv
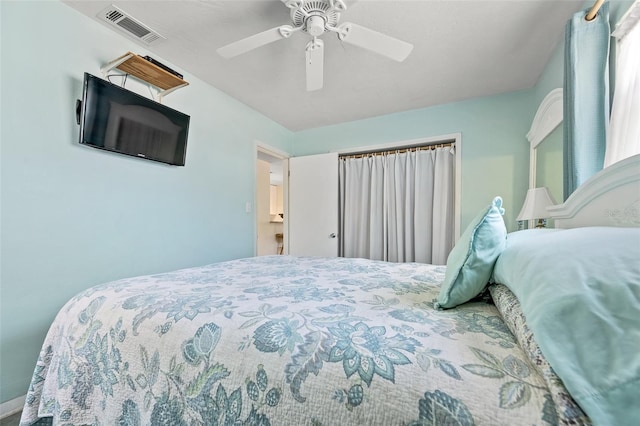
column 115, row 119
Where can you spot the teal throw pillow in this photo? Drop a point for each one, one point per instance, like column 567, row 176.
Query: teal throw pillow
column 470, row 263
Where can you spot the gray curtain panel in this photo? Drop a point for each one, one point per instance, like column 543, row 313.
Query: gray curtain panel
column 398, row 207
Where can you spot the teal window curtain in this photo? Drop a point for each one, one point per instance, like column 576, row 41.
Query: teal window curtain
column 586, row 96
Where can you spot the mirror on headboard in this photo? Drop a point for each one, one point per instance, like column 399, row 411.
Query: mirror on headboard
column 549, row 168
column 545, row 153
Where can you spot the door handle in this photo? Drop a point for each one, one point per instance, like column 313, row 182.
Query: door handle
column 332, row 235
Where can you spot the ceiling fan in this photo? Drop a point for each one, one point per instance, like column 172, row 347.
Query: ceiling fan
column 316, row 17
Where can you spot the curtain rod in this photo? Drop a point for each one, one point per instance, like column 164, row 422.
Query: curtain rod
column 594, row 10
column 397, row 151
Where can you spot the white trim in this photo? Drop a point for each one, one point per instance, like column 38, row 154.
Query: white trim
column 285, row 207
column 272, row 151
column 12, row 407
column 611, row 197
column 455, row 138
column 458, row 187
column 548, row 117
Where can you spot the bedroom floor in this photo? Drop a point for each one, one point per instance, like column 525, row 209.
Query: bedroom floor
column 13, row 420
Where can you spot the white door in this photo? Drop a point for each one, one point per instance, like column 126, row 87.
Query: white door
column 313, row 205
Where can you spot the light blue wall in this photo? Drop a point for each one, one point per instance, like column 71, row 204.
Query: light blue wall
column 73, row 216
column 495, row 157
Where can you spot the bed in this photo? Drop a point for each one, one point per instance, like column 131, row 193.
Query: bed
column 285, row 340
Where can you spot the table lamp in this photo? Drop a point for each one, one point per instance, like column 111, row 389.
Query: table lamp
column 535, row 206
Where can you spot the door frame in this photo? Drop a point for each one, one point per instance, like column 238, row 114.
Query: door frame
column 260, row 146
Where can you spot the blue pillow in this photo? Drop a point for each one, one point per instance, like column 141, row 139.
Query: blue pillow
column 470, row 263
column 580, row 292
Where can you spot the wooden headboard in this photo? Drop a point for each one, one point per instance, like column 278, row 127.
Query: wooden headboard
column 609, row 198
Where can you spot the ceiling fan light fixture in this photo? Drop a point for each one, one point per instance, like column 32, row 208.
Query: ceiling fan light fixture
column 315, row 25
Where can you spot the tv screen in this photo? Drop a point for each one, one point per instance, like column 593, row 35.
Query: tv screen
column 115, row 119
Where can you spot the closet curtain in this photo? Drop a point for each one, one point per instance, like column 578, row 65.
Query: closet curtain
column 398, row 207
column 586, row 96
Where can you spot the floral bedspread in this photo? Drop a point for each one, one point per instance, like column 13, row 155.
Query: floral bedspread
column 283, row 341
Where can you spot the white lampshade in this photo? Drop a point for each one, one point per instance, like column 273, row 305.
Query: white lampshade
column 535, row 204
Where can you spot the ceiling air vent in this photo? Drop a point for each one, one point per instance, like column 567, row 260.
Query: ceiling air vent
column 129, row 24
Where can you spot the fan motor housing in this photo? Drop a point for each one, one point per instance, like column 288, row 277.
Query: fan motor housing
column 314, row 16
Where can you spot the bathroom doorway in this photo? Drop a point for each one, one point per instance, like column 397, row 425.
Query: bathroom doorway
column 271, row 201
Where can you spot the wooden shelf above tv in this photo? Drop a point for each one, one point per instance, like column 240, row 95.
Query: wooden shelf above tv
column 137, row 66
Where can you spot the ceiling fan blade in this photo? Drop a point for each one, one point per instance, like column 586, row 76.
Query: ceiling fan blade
column 374, row 41
column 253, row 42
column 315, row 64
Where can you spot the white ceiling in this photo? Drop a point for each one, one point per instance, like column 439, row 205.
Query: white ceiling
column 462, row 50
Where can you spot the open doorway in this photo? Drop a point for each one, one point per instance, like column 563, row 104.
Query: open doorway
column 271, row 201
